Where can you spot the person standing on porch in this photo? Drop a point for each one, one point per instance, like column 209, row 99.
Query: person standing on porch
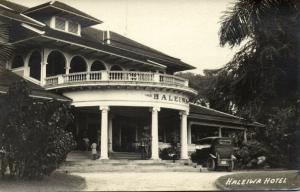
column 94, row 150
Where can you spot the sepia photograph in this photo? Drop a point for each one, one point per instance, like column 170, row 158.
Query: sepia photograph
column 153, row 95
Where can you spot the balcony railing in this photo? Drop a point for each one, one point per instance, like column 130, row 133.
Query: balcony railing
column 115, row 76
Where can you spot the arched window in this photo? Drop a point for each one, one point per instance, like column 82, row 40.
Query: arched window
column 98, row 66
column 35, row 65
column 116, row 68
column 56, row 64
column 78, row 64
column 17, row 62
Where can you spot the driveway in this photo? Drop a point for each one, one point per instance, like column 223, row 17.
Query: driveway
column 171, row 181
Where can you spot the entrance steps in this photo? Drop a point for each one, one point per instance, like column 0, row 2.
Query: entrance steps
column 125, row 155
column 77, row 162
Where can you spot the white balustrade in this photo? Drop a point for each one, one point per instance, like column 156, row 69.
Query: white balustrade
column 173, row 80
column 95, row 76
column 51, row 80
column 115, row 76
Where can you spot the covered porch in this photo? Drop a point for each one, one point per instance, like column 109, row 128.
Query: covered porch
column 122, row 132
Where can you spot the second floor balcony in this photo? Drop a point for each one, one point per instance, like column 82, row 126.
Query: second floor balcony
column 119, row 78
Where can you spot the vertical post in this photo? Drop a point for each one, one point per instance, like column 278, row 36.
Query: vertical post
column 154, row 133
column 43, row 68
column 183, row 135
column 104, row 127
column 220, row 132
column 245, row 135
column 110, row 135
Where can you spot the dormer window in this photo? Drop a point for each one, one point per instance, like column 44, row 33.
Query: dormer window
column 73, row 27
column 65, row 25
column 60, row 23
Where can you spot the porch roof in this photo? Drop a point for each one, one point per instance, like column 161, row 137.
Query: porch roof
column 205, row 113
column 7, row 78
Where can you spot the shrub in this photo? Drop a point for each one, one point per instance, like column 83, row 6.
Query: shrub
column 33, row 133
column 248, row 153
column 170, row 153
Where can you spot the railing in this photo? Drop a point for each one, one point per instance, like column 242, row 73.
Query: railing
column 174, row 80
column 116, row 76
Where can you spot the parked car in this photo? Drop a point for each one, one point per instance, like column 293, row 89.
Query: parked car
column 216, row 152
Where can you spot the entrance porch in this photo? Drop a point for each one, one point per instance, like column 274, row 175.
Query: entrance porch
column 123, row 132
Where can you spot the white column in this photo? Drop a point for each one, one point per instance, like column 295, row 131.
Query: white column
column 183, row 136
column 110, row 133
column 43, row 73
column 104, row 128
column 154, row 133
column 189, row 133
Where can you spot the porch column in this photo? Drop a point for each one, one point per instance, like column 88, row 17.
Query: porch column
column 43, row 73
column 104, row 128
column 183, row 135
column 154, row 133
column 110, row 118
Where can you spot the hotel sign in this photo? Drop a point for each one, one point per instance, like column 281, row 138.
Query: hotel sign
column 169, row 98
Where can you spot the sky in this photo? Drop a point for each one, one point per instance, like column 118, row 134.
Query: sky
column 185, row 29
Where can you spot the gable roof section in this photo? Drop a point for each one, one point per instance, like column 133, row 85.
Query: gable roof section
column 56, row 7
column 7, row 78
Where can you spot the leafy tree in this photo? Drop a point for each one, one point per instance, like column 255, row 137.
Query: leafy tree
column 33, row 132
column 262, row 79
column 213, row 91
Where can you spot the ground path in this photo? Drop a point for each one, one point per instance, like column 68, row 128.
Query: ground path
column 112, row 181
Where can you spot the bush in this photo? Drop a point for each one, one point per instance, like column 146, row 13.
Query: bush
column 33, row 133
column 170, row 153
column 248, row 153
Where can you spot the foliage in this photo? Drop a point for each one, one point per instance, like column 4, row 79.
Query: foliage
column 248, row 153
column 169, row 153
column 33, row 132
column 261, row 80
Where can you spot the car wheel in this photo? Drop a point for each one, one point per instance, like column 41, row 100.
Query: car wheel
column 231, row 166
column 211, row 164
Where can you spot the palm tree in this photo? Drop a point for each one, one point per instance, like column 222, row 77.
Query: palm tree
column 264, row 74
column 266, row 65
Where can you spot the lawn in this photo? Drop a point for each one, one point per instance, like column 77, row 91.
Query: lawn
column 260, row 180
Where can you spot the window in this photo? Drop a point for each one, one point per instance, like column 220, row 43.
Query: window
column 73, row 27
column 65, row 25
column 60, row 23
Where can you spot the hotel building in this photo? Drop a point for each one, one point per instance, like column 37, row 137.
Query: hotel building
column 121, row 90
